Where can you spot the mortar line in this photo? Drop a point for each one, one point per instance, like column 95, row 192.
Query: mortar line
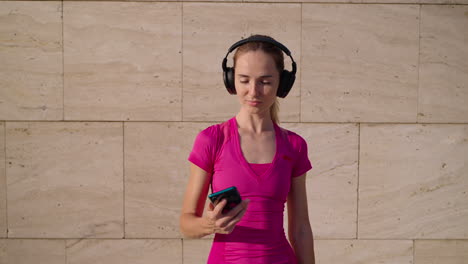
column 182, row 246
column 274, row 2
column 63, row 67
column 210, row 239
column 182, row 62
column 65, row 247
column 418, row 65
column 358, row 172
column 123, row 175
column 214, row 121
column 300, row 70
column 6, row 176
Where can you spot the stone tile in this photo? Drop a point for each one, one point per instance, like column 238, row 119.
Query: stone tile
column 3, row 251
column 441, row 251
column 172, row 0
column 443, row 86
column 205, row 97
column 122, row 60
column 462, row 2
column 64, row 180
column 364, row 251
column 359, row 63
column 196, row 250
column 386, row 1
column 31, row 83
column 156, row 174
column 3, row 204
column 366, row 1
column 32, row 251
column 301, row 1
column 332, row 182
column 123, row 251
column 352, row 1
column 413, row 182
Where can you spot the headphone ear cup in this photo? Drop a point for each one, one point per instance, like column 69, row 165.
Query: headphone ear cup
column 229, row 80
column 286, row 83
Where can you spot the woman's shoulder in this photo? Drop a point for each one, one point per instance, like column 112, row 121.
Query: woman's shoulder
column 210, row 131
column 294, row 139
column 215, row 133
column 291, row 135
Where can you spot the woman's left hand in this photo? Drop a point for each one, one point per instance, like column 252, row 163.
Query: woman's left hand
column 225, row 223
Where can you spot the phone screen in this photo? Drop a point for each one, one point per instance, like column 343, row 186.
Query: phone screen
column 232, row 196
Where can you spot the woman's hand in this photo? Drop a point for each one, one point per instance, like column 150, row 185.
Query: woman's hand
column 225, row 223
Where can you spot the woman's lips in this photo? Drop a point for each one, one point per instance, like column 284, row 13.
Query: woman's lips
column 253, row 103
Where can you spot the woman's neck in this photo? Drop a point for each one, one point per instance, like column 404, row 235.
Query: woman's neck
column 256, row 123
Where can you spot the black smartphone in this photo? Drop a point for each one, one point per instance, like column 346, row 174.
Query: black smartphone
column 232, row 196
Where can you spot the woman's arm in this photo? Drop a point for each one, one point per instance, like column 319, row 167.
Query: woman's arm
column 193, row 223
column 299, row 230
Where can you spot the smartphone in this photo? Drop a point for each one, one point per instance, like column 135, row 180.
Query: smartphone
column 232, row 196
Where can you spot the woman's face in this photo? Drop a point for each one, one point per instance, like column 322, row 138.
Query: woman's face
column 256, row 81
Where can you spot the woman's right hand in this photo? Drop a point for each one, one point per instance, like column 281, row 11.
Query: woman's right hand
column 225, row 223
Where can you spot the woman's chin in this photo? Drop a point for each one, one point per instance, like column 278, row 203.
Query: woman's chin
column 253, row 110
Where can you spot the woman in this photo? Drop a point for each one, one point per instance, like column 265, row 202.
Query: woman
column 266, row 163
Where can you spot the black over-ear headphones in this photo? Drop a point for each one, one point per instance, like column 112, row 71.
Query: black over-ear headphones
column 286, row 77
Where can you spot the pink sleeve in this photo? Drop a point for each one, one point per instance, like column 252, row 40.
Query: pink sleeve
column 302, row 164
column 203, row 153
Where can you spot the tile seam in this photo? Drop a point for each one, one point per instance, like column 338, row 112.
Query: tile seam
column 182, row 247
column 265, row 2
column 269, row 2
column 97, row 238
column 182, row 62
column 209, row 239
column 65, row 244
column 419, row 64
column 330, row 3
column 287, row 2
column 214, row 121
column 301, row 61
column 63, row 65
column 358, row 172
column 6, row 182
column 414, row 240
column 123, row 176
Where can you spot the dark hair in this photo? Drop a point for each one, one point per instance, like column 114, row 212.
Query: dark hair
column 277, row 56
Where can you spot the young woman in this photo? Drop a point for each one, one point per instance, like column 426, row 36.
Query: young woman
column 266, row 163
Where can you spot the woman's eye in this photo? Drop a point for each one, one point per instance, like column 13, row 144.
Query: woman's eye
column 244, row 81
column 266, row 82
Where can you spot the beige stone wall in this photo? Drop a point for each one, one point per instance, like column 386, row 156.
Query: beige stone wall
column 100, row 103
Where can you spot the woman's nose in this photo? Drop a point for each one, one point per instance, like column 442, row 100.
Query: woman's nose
column 254, row 88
